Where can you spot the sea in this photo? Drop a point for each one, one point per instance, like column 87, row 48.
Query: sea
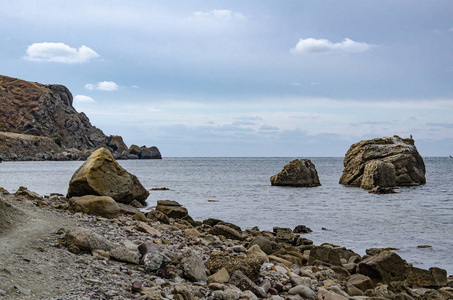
column 238, row 190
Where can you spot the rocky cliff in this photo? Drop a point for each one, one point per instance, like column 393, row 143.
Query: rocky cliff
column 38, row 122
column 47, row 111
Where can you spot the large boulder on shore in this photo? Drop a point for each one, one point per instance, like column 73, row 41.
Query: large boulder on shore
column 101, row 175
column 103, row 206
column 362, row 167
column 298, row 173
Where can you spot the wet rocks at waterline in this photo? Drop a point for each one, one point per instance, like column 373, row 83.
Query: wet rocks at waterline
column 128, row 258
column 297, row 173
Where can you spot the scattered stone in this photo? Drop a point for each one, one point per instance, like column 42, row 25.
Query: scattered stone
column 324, row 254
column 303, row 291
column 244, row 283
column 221, row 276
column 324, row 294
column 256, row 251
column 360, row 282
column 24, row 193
column 122, row 253
column 140, row 217
column 143, row 227
column 227, row 232
column 154, row 261
column 384, row 267
column 172, row 209
column 193, row 266
column 298, row 173
column 128, row 209
column 136, row 287
column 86, row 240
column 432, row 278
column 250, row 266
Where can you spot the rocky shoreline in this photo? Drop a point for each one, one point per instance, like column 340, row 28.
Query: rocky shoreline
column 49, row 251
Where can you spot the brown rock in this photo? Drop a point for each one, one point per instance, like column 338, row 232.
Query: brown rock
column 103, row 206
column 227, row 232
column 298, row 173
column 432, row 278
column 172, row 209
column 101, row 175
column 86, row 240
column 383, row 267
column 324, row 254
column 361, row 282
column 250, row 266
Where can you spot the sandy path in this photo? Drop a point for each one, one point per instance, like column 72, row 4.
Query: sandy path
column 32, row 266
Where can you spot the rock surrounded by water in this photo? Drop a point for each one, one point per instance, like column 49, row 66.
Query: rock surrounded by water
column 101, row 175
column 298, row 173
column 362, row 169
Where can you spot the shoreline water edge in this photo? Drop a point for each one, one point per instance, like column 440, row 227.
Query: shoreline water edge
column 165, row 254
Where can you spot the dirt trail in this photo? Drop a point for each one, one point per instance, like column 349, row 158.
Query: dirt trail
column 31, row 264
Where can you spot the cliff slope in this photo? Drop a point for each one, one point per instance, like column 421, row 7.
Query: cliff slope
column 45, row 110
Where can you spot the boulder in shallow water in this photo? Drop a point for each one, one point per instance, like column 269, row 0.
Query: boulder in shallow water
column 101, row 175
column 298, row 173
column 402, row 153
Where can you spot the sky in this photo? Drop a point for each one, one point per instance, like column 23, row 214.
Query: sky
column 244, row 78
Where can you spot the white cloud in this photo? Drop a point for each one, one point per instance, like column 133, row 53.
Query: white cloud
column 60, row 53
column 216, row 14
column 83, row 98
column 312, row 45
column 108, row 86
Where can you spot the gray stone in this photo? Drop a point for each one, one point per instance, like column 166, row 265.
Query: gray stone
column 193, row 266
column 154, row 261
column 244, row 283
column 302, row 291
column 226, row 231
column 86, row 240
column 122, row 253
column 324, row 254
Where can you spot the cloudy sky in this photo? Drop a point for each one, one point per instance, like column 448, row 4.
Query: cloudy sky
column 244, row 78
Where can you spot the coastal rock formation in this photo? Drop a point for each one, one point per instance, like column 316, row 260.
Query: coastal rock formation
column 101, row 175
column 362, row 169
column 144, row 152
column 298, row 173
column 45, row 110
column 38, row 122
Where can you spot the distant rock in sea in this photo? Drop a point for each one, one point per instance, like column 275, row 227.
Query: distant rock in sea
column 297, row 173
column 384, row 162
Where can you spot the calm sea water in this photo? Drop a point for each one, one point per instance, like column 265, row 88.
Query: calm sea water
column 353, row 218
